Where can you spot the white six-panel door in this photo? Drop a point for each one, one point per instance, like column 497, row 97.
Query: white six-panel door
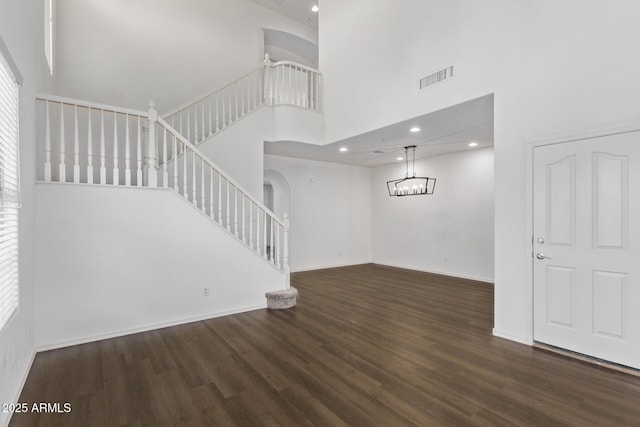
column 586, row 247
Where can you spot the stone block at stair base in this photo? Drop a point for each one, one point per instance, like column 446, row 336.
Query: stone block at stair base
column 282, row 299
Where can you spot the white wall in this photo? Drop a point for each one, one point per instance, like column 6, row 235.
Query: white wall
column 563, row 86
column 297, row 124
column 111, row 261
column 554, row 67
column 449, row 232
column 330, row 212
column 239, row 149
column 372, row 57
column 125, row 53
column 21, row 24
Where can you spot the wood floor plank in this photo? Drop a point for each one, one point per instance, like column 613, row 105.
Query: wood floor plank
column 366, row 345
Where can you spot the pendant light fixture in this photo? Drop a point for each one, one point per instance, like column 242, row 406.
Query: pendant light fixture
column 411, row 185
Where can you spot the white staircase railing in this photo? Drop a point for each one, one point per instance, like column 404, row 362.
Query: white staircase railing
column 279, row 83
column 97, row 144
column 289, row 83
column 111, row 139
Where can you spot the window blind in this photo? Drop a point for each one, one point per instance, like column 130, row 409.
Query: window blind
column 9, row 191
column 48, row 33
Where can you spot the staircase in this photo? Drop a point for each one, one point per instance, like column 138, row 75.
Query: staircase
column 90, row 143
column 129, row 148
column 87, row 146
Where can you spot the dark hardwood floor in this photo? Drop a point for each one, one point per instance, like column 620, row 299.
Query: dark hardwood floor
column 365, row 346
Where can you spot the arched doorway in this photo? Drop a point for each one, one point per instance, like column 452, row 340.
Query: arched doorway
column 276, row 193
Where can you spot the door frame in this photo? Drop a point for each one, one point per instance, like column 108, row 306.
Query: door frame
column 608, row 129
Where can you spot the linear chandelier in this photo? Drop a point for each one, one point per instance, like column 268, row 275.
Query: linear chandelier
column 414, row 185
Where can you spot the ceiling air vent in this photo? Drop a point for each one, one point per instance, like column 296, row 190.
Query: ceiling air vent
column 437, row 77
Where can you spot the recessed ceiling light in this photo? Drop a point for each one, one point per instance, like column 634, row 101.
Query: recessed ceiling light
column 314, row 8
column 399, row 158
column 343, row 149
column 473, row 144
column 414, row 129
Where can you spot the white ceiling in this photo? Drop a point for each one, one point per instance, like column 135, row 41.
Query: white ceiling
column 297, row 10
column 442, row 132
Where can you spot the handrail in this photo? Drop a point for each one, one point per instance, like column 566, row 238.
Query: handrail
column 193, row 176
column 295, row 64
column 273, row 83
column 200, row 98
column 92, row 105
column 215, row 167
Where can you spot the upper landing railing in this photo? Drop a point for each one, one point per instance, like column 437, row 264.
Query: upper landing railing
column 91, row 143
column 274, row 83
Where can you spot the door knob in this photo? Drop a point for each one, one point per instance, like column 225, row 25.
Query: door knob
column 540, row 255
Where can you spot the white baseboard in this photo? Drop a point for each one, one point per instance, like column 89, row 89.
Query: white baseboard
column 323, row 267
column 150, row 327
column 25, row 375
column 441, row 273
column 512, row 337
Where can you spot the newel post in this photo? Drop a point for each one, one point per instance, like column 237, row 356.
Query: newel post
column 268, row 86
column 285, row 251
column 152, row 156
